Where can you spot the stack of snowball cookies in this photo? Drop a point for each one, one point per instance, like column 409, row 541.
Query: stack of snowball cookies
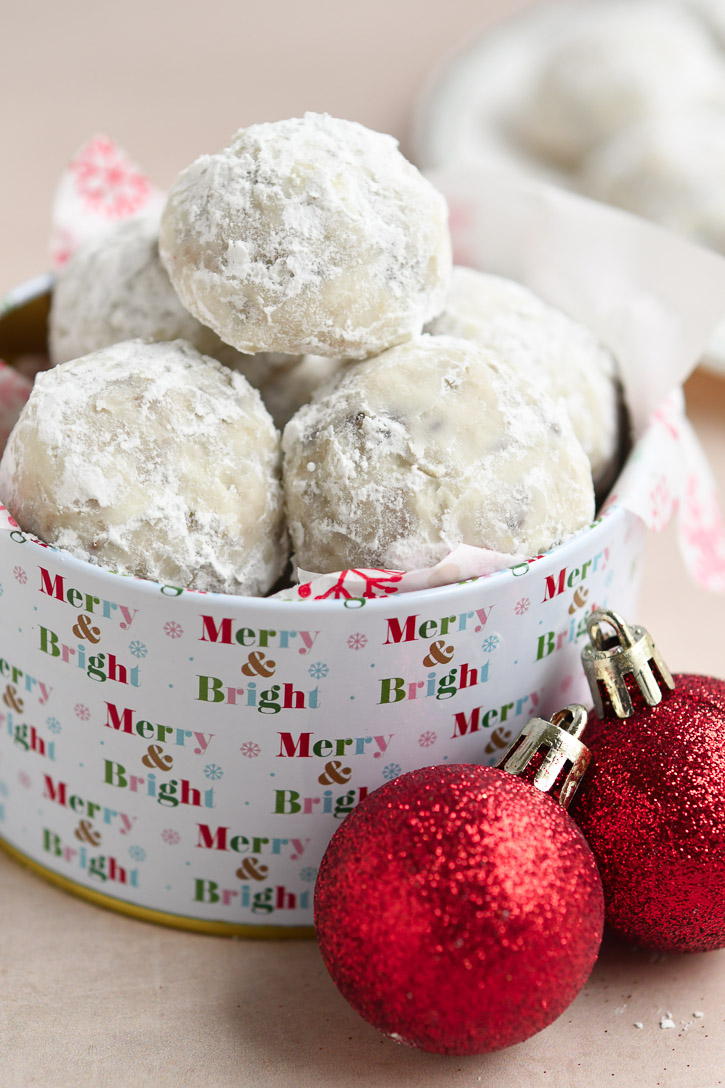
column 301, row 278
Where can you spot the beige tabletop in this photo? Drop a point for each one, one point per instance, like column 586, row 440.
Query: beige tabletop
column 91, row 998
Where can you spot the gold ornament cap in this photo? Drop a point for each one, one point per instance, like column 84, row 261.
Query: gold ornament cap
column 559, row 740
column 610, row 660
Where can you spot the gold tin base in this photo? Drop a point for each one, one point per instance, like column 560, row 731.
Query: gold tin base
column 175, row 921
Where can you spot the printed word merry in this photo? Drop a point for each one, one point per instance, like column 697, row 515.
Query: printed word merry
column 393, row 689
column 59, row 794
column 54, row 586
column 484, row 719
column 568, row 577
column 409, row 629
column 270, row 701
column 99, row 667
column 288, row 802
column 242, row 844
column 98, row 866
column 15, row 675
column 262, row 902
column 172, row 793
column 323, row 747
column 123, row 721
column 221, row 631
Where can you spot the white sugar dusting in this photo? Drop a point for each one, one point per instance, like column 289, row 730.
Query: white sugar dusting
column 559, row 356
column 431, row 444
column 153, row 460
column 311, row 235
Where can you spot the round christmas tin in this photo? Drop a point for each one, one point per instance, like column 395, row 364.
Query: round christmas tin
column 185, row 757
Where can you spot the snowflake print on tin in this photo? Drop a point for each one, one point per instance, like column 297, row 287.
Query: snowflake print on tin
column 319, row 670
column 489, row 644
column 308, row 874
column 137, row 853
column 213, row 771
column 170, row 836
column 53, row 725
column 357, row 641
column 24, row 780
column 173, row 629
column 426, row 739
column 392, row 771
column 250, row 749
column 20, row 575
column 138, row 649
column 522, row 606
column 81, row 711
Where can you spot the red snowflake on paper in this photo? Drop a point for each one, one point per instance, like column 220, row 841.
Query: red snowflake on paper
column 377, row 582
column 170, row 836
column 357, row 641
column 704, row 532
column 25, row 780
column 107, row 182
column 62, row 248
column 20, row 575
column 664, row 416
column 173, row 629
column 522, row 606
column 662, row 504
column 82, row 712
column 250, row 749
column 426, row 739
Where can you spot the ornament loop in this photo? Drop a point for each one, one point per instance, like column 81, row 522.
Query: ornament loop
column 628, row 655
column 559, row 738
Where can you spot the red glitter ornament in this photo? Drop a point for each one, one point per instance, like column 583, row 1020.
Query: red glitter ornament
column 653, row 808
column 459, row 909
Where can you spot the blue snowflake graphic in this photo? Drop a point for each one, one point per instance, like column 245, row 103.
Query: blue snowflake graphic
column 489, row 644
column 213, row 771
column 392, row 770
column 3, row 790
column 137, row 853
column 138, row 649
column 309, row 874
column 53, row 724
column 318, row 671
column 1, row 589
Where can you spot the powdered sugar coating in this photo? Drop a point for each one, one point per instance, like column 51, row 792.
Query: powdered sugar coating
column 286, row 386
column 670, row 170
column 620, row 62
column 431, row 444
column 150, row 459
column 115, row 288
column 558, row 355
column 311, row 235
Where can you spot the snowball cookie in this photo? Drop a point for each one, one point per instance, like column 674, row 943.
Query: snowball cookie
column 559, row 356
column 431, row 444
column 115, row 288
column 670, row 170
column 285, row 387
column 311, row 235
column 152, row 460
column 619, row 64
